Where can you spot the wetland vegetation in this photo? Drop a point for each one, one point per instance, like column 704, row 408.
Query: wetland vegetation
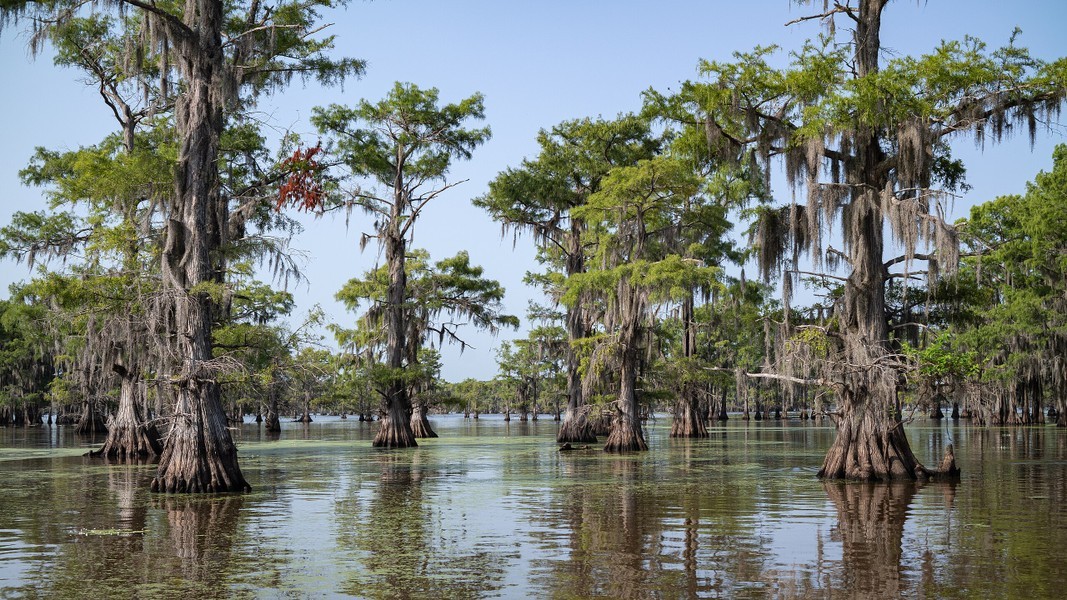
column 877, row 339
column 492, row 509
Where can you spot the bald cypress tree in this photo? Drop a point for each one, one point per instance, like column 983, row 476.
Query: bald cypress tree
column 539, row 198
column 212, row 59
column 867, row 144
column 398, row 148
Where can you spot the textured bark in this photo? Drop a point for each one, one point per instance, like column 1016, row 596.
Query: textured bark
column 688, row 422
column 871, row 446
column 688, row 418
column 870, row 443
column 395, row 427
column 90, row 422
column 626, row 434
column 199, row 454
column 575, row 427
column 129, row 437
column 420, row 425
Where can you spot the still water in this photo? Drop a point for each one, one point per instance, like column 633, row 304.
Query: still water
column 493, row 510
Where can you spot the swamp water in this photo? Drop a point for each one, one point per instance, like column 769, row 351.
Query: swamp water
column 492, row 509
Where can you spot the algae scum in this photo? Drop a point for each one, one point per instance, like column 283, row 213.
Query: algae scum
column 491, row 509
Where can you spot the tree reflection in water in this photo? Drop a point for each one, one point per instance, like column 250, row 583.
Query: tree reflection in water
column 403, row 547
column 870, row 528
column 201, row 532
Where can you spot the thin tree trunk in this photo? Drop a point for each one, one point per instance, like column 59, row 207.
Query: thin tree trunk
column 688, row 419
column 306, row 416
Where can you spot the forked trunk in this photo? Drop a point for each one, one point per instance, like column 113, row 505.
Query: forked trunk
column 420, row 425
column 129, row 436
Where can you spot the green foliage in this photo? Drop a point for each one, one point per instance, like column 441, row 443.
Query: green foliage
column 1009, row 310
column 26, row 360
column 938, row 359
column 406, row 135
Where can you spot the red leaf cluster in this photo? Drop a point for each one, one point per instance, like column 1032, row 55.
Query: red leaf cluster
column 302, row 187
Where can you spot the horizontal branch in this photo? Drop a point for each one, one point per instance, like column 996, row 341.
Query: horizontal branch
column 775, row 376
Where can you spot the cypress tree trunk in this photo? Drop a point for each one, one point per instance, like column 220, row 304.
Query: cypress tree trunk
column 89, row 423
column 394, row 429
column 420, row 425
column 870, row 443
column 575, row 426
column 272, row 423
column 306, row 416
column 688, row 422
column 199, row 455
column 129, row 436
column 688, row 418
column 626, row 434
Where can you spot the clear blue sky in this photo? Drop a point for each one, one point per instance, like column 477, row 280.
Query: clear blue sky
column 538, row 63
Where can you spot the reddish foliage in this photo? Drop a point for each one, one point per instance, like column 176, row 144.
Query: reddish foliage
column 301, row 187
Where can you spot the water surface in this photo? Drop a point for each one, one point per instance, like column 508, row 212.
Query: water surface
column 491, row 509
